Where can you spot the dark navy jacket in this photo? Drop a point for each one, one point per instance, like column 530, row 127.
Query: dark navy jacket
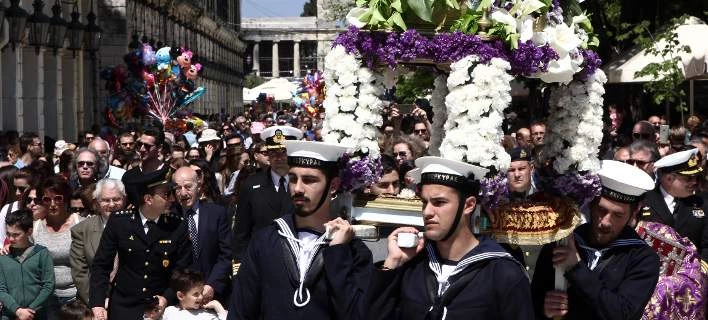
column 492, row 287
column 618, row 287
column 268, row 278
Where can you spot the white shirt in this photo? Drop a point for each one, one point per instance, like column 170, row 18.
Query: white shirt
column 276, row 180
column 144, row 220
column 115, row 173
column 230, row 189
column 669, row 199
column 177, row 313
column 10, row 207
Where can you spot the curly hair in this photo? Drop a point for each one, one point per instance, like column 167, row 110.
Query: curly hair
column 101, row 165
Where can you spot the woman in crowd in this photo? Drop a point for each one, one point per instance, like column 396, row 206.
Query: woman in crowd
column 32, row 200
column 208, row 182
column 66, row 159
column 193, row 153
column 55, row 233
column 236, row 159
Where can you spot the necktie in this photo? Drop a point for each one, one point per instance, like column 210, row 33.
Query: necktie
column 149, row 224
column 281, row 187
column 192, row 225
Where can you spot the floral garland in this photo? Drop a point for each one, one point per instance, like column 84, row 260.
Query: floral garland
column 575, row 130
column 479, row 93
column 353, row 114
column 437, row 101
column 377, row 48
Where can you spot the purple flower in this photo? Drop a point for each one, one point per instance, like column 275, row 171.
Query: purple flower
column 495, row 191
column 582, row 187
column 359, row 170
column 529, row 59
column 591, row 62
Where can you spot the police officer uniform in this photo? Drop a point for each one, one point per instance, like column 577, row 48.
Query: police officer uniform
column 260, row 198
column 146, row 259
column 611, row 282
column 688, row 216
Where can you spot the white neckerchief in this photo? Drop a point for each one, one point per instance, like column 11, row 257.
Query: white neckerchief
column 304, row 252
column 443, row 283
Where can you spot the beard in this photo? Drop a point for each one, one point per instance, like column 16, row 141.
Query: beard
column 300, row 210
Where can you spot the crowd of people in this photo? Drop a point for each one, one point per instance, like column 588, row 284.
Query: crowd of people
column 231, row 219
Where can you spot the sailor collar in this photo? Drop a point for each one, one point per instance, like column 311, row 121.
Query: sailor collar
column 627, row 238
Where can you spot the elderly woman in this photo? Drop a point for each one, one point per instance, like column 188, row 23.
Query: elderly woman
column 54, row 232
column 110, row 196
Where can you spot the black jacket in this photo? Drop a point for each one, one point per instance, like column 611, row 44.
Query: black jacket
column 618, row 287
column 145, row 264
column 259, row 204
column 689, row 219
column 493, row 286
column 265, row 285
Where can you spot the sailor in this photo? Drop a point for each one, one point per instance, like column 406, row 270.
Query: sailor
column 519, row 174
column 290, row 270
column 610, row 271
column 150, row 242
column 674, row 201
column 449, row 273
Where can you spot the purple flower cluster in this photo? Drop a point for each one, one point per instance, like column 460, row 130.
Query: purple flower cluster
column 376, row 48
column 582, row 187
column 529, row 59
column 555, row 14
column 358, row 171
column 591, row 62
column 495, row 191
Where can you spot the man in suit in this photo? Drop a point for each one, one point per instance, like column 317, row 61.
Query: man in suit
column 150, row 243
column 86, row 236
column 264, row 196
column 208, row 227
column 674, row 201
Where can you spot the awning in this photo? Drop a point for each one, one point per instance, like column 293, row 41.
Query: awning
column 279, row 88
column 693, row 65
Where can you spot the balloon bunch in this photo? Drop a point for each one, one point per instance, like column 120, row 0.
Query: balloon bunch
column 159, row 82
column 310, row 94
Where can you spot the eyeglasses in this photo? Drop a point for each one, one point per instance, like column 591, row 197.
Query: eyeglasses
column 57, row 199
column 420, row 131
column 634, row 162
column 32, row 200
column 76, row 209
column 85, row 164
column 402, row 154
column 89, row 138
column 638, row 135
column 21, row 188
column 140, row 145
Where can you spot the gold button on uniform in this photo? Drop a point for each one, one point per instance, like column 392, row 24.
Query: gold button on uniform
column 144, row 289
column 145, row 276
column 146, row 263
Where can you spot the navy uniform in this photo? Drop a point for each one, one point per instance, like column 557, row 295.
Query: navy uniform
column 293, row 273
column 146, row 261
column 259, row 200
column 688, row 216
column 487, row 283
column 612, row 282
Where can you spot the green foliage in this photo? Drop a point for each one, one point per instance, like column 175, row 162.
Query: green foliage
column 467, row 22
column 414, row 85
column 336, row 10
column 393, row 14
column 667, row 75
column 309, row 9
column 252, row 81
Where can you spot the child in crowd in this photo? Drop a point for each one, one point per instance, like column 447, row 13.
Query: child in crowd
column 189, row 285
column 27, row 277
column 75, row 310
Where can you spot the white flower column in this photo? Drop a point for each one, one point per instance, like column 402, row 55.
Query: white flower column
column 479, row 93
column 352, row 104
column 574, row 131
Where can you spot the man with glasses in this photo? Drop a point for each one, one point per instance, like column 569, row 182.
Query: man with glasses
column 643, row 154
column 150, row 243
column 149, row 147
column 643, row 130
column 264, row 195
column 674, row 201
column 31, row 149
column 87, row 169
column 104, row 152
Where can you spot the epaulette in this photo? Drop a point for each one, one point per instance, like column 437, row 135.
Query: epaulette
column 645, row 211
column 122, row 213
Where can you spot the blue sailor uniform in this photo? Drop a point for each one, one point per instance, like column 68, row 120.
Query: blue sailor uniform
column 615, row 282
column 489, row 285
column 266, row 284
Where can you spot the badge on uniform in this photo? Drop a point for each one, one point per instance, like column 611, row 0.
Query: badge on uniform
column 131, row 237
column 165, row 241
column 698, row 213
column 165, row 263
column 646, row 212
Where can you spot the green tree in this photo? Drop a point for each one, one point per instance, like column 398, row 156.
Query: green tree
column 252, row 81
column 309, row 9
column 414, row 85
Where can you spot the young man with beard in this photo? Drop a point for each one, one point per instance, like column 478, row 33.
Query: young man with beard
column 611, row 272
column 450, row 273
column 291, row 270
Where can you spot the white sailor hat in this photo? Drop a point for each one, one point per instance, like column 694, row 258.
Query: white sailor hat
column 623, row 182
column 684, row 163
column 452, row 173
column 275, row 136
column 313, row 154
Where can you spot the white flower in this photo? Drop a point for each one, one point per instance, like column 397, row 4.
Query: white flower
column 562, row 38
column 526, row 7
column 504, row 17
column 560, row 70
column 353, row 17
column 406, row 194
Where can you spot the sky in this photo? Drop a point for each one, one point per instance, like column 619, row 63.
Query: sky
column 271, row 8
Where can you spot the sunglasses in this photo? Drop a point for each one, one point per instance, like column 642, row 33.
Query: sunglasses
column 31, row 200
column 637, row 135
column 57, row 199
column 85, row 163
column 21, row 189
column 420, row 131
column 140, row 145
column 633, row 162
column 402, row 154
column 76, row 209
